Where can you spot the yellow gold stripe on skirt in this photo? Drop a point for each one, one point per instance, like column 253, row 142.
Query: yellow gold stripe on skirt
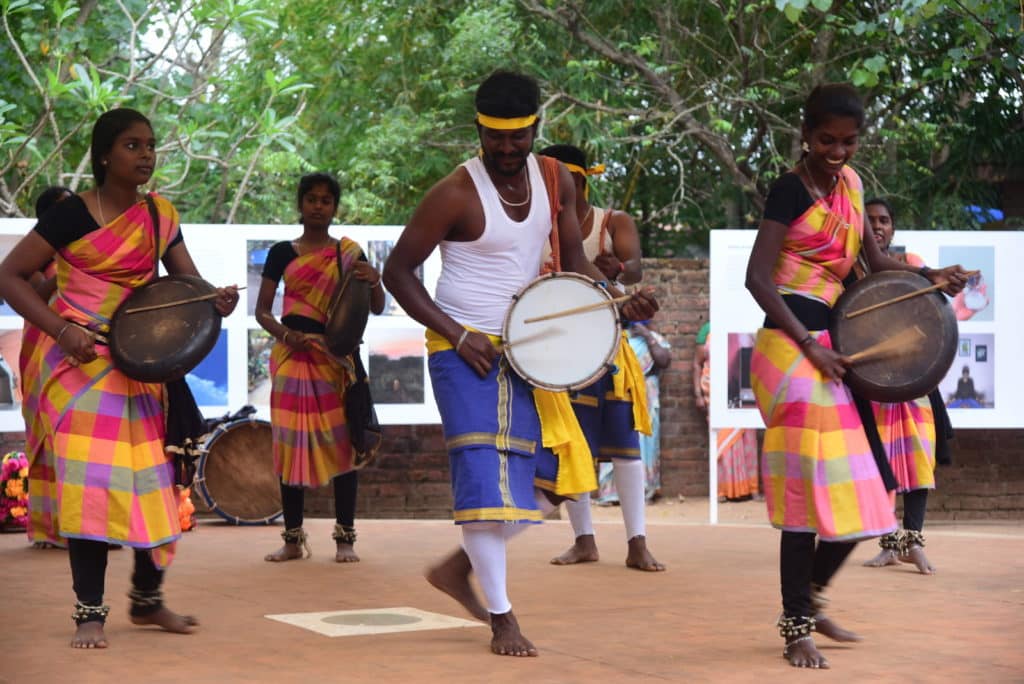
column 491, row 439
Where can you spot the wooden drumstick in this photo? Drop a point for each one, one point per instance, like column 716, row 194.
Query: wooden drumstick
column 587, row 308
column 177, row 302
column 906, row 337
column 529, row 338
column 904, row 297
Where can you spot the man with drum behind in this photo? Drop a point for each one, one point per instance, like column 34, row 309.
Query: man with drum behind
column 490, row 218
column 915, row 434
column 312, row 444
column 612, row 411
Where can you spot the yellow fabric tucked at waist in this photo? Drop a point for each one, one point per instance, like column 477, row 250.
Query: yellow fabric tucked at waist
column 559, row 429
column 629, row 385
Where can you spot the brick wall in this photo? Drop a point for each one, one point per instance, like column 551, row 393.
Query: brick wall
column 410, row 477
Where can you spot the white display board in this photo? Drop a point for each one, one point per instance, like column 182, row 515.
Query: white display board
column 990, row 353
column 235, row 372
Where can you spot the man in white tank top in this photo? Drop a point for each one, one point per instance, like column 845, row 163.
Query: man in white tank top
column 612, row 243
column 490, row 218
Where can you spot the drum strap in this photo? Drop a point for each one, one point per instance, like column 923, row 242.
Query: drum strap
column 549, row 170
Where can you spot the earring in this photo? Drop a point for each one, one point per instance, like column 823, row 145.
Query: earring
column 104, row 162
column 805, row 147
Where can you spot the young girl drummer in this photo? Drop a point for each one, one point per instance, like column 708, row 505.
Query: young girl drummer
column 307, row 407
column 105, row 431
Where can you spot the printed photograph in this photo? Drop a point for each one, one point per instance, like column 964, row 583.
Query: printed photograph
column 377, row 254
column 7, row 243
column 260, row 344
column 740, row 349
column 255, row 257
column 970, row 382
column 209, row 380
column 10, row 383
column 976, row 302
column 397, row 365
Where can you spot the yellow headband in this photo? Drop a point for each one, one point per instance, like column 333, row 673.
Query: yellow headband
column 595, row 170
column 500, row 124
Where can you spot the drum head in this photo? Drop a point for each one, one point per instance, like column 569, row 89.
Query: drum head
column 236, row 475
column 164, row 344
column 911, row 372
column 347, row 315
column 566, row 353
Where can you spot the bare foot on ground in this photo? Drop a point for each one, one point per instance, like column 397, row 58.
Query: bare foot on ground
column 801, row 652
column 827, row 626
column 507, row 639
column 89, row 635
column 884, row 557
column 167, row 620
column 345, row 554
column 640, row 558
column 451, row 576
column 583, row 550
column 285, row 553
column 915, row 555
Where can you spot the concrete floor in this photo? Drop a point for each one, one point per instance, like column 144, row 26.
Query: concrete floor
column 709, row 618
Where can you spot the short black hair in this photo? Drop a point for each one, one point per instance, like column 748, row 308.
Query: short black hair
column 105, row 131
column 567, row 154
column 882, row 202
column 50, row 196
column 830, row 100
column 508, row 94
column 311, row 180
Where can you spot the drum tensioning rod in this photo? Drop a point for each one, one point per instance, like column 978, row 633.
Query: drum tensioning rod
column 903, row 297
column 586, row 308
column 176, row 302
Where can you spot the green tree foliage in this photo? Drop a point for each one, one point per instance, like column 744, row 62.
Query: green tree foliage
column 694, row 105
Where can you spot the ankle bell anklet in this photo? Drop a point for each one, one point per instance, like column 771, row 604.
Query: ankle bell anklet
column 798, row 626
column 145, row 601
column 297, row 536
column 911, row 538
column 890, row 542
column 344, row 534
column 86, row 613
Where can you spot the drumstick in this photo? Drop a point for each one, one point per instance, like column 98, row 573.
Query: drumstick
column 903, row 297
column 906, row 337
column 177, row 302
column 587, row 308
column 529, row 338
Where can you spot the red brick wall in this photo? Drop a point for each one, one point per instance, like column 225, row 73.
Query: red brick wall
column 410, row 477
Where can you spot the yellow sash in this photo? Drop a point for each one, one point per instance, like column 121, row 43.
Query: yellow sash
column 629, row 385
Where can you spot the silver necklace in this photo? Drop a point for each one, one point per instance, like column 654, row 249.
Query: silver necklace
column 99, row 205
column 583, row 221
column 516, row 204
column 814, row 185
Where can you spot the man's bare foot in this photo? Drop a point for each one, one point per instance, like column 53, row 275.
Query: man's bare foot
column 451, row 576
column 640, row 558
column 884, row 557
column 89, row 635
column 915, row 555
column 583, row 550
column 285, row 553
column 507, row 639
column 801, row 652
column 345, row 554
column 167, row 620
column 827, row 626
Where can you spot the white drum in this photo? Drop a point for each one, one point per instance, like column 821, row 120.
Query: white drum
column 568, row 352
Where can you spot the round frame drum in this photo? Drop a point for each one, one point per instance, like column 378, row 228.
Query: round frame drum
column 347, row 315
column 565, row 353
column 907, row 373
column 236, row 475
column 163, row 345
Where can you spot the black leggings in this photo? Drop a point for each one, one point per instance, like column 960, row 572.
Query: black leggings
column 345, row 486
column 914, row 504
column 89, row 568
column 802, row 565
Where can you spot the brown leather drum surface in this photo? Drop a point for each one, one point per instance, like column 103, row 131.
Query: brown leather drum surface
column 347, row 315
column 911, row 372
column 165, row 344
column 236, row 474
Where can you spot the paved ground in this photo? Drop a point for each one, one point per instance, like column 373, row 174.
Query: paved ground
column 708, row 619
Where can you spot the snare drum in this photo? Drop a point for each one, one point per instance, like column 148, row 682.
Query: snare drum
column 565, row 353
column 236, row 475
